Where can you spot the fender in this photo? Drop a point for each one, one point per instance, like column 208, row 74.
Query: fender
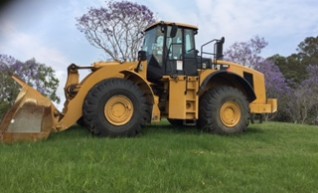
column 74, row 109
column 141, row 80
column 234, row 79
column 144, row 84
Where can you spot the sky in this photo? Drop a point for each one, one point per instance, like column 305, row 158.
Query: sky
column 46, row 29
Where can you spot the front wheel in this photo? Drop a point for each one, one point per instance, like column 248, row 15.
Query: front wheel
column 115, row 107
column 224, row 110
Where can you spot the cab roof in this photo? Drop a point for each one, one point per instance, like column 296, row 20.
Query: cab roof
column 182, row 25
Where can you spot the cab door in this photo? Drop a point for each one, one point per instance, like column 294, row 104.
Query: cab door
column 182, row 55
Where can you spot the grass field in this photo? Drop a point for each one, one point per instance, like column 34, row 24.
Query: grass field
column 271, row 157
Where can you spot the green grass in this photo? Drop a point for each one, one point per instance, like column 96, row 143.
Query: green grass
column 271, row 157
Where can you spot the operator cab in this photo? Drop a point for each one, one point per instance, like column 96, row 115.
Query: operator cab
column 170, row 50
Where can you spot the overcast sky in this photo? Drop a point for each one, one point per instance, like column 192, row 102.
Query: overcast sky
column 46, row 30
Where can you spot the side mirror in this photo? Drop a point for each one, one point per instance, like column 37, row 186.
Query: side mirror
column 173, row 31
column 142, row 55
column 219, row 48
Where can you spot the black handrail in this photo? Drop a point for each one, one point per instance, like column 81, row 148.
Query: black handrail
column 218, row 49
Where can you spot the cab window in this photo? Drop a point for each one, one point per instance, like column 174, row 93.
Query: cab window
column 175, row 46
column 189, row 41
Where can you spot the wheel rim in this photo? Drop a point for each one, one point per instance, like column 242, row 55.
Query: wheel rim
column 119, row 110
column 230, row 114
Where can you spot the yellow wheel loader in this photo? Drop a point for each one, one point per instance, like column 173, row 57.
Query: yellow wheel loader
column 170, row 80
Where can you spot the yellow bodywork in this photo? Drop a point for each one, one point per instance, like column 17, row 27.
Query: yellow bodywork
column 183, row 97
column 183, row 104
column 186, row 106
column 230, row 114
column 119, row 110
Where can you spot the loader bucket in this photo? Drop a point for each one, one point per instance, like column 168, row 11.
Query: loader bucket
column 32, row 118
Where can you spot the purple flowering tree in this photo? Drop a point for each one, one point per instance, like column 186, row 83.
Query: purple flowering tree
column 37, row 75
column 277, row 87
column 116, row 28
column 247, row 53
column 8, row 90
column 276, row 83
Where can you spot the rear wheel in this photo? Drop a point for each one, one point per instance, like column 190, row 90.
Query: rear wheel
column 224, row 110
column 115, row 108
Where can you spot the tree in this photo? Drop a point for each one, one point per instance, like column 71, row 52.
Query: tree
column 37, row 75
column 8, row 90
column 308, row 51
column 116, row 28
column 275, row 81
column 247, row 53
column 294, row 66
column 304, row 107
column 291, row 66
column 277, row 87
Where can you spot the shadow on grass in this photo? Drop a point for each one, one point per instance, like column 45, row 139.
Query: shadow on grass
column 78, row 132
column 75, row 131
column 253, row 129
column 165, row 127
column 168, row 127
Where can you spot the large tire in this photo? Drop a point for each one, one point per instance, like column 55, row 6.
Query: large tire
column 115, row 108
column 224, row 110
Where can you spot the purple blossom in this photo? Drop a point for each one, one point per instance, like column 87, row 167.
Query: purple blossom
column 247, row 53
column 116, row 28
column 276, row 84
column 31, row 72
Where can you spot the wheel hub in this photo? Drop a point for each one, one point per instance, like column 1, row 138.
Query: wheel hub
column 119, row 110
column 230, row 114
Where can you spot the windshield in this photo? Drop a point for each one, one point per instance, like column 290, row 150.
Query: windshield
column 153, row 44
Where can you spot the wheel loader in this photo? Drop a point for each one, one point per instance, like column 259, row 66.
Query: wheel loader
column 171, row 79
